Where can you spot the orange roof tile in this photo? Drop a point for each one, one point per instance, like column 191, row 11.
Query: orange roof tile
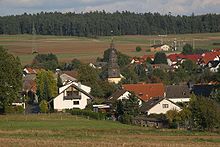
column 209, row 56
column 146, row 91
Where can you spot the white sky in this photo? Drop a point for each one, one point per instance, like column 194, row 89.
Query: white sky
column 181, row 7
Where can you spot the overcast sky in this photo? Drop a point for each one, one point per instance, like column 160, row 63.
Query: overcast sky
column 181, row 7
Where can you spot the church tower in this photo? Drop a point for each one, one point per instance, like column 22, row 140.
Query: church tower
column 113, row 68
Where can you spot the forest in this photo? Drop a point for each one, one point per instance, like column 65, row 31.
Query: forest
column 101, row 23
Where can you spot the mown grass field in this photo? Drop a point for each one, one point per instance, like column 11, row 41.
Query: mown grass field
column 88, row 49
column 68, row 130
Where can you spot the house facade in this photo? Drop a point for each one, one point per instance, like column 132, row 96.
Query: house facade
column 159, row 106
column 72, row 95
column 160, row 47
column 121, row 95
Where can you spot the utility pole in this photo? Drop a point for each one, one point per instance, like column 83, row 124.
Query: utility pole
column 34, row 47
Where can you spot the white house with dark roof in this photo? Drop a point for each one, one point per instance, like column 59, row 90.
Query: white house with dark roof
column 158, row 106
column 72, row 95
column 121, row 95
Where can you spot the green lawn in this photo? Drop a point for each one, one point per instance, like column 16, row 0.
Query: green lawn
column 68, row 130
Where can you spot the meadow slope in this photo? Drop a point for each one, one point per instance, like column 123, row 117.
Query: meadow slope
column 68, row 130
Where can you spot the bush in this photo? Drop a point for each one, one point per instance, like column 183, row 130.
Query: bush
column 89, row 113
column 138, row 49
column 43, row 106
column 126, row 119
column 14, row 109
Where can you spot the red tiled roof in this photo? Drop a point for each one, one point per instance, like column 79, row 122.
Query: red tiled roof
column 176, row 57
column 216, row 50
column 209, row 56
column 146, row 91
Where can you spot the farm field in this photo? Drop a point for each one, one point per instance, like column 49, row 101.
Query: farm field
column 88, row 49
column 68, row 130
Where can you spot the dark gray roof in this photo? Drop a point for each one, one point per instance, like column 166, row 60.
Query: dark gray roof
column 213, row 63
column 100, row 64
column 177, row 91
column 113, row 68
column 117, row 94
column 150, row 103
column 204, row 90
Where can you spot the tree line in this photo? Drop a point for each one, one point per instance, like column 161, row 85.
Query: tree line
column 101, row 23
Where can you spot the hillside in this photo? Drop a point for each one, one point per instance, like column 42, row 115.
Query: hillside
column 67, row 130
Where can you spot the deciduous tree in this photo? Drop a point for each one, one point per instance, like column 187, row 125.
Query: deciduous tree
column 10, row 78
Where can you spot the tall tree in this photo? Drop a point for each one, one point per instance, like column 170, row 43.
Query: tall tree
column 10, row 78
column 187, row 49
column 46, row 61
column 46, row 85
column 160, row 58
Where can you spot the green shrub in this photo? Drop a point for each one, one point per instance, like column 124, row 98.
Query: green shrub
column 14, row 109
column 89, row 113
column 126, row 119
column 43, row 106
column 138, row 49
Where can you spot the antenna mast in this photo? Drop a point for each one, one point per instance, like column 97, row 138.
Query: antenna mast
column 34, row 46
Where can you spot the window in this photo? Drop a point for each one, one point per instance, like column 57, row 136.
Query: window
column 70, row 93
column 165, row 106
column 75, row 102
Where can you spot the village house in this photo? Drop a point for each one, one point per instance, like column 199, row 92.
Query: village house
column 209, row 56
column 65, row 78
column 142, row 60
column 213, row 66
column 178, row 93
column 72, row 95
column 29, row 70
column 159, row 47
column 158, row 105
column 121, row 95
column 145, row 91
column 175, row 60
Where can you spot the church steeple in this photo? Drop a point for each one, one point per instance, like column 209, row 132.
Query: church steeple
column 113, row 68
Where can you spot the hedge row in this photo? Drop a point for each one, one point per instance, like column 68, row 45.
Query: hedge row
column 14, row 110
column 88, row 113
